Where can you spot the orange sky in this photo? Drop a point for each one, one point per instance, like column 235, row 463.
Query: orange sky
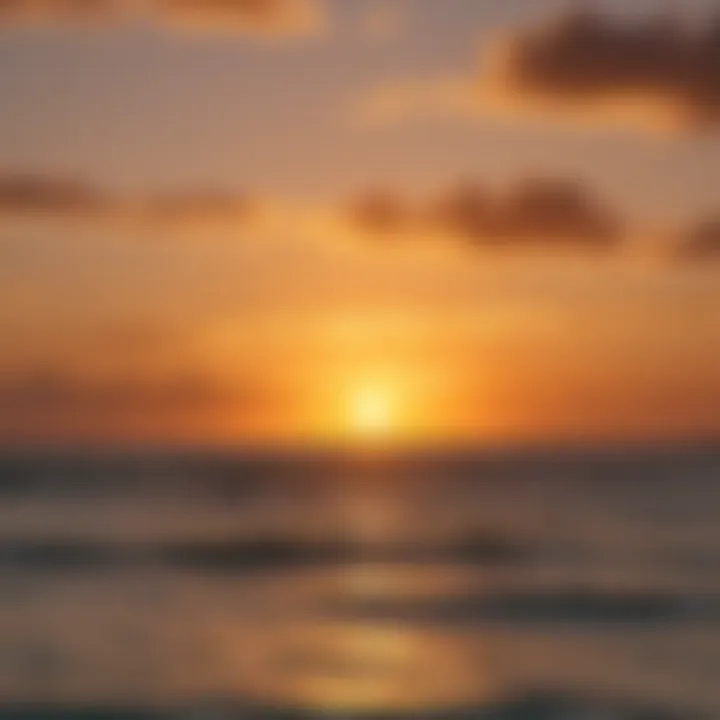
column 238, row 228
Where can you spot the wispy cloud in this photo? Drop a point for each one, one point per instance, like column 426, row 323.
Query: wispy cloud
column 274, row 17
column 48, row 402
column 24, row 194
column 541, row 213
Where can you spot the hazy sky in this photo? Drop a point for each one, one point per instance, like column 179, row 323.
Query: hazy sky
column 225, row 221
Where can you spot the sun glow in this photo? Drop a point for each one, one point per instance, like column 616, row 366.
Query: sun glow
column 371, row 411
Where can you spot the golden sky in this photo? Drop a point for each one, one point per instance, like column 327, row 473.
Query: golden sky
column 303, row 221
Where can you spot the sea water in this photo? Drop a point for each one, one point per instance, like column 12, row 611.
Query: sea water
column 579, row 585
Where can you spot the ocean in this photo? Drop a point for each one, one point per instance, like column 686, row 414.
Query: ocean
column 568, row 585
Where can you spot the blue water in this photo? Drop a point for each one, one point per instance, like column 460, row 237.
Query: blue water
column 576, row 585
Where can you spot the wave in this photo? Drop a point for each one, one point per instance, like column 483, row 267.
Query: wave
column 530, row 706
column 556, row 606
column 272, row 553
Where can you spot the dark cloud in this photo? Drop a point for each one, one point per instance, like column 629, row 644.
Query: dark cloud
column 542, row 212
column 21, row 193
column 25, row 194
column 660, row 65
column 701, row 242
column 256, row 16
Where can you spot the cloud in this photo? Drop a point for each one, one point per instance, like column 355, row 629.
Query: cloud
column 381, row 211
column 59, row 403
column 536, row 212
column 47, row 391
column 583, row 66
column 287, row 17
column 274, row 17
column 584, row 59
column 533, row 213
column 45, row 11
column 701, row 242
column 23, row 195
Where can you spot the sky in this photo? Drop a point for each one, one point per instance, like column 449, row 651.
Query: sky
column 308, row 221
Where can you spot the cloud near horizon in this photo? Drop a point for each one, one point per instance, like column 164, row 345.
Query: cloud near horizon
column 658, row 72
column 59, row 403
column 261, row 17
column 23, row 195
column 539, row 213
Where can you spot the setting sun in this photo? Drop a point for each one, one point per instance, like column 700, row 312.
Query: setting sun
column 371, row 411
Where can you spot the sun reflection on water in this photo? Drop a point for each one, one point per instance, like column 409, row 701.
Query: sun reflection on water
column 360, row 666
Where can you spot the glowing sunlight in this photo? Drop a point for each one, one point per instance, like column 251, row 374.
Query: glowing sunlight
column 372, row 411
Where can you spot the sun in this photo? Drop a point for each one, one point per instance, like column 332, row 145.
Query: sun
column 371, row 411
